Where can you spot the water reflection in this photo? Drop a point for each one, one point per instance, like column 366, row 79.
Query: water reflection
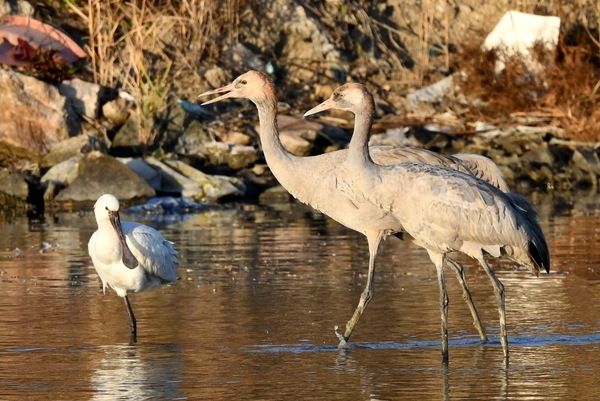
column 260, row 291
column 125, row 372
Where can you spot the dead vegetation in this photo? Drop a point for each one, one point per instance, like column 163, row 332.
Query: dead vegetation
column 564, row 93
column 157, row 51
column 146, row 47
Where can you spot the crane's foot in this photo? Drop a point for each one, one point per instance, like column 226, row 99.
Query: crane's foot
column 343, row 342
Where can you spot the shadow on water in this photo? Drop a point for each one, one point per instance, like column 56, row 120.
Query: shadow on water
column 259, row 292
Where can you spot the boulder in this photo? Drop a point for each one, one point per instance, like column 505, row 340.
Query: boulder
column 13, row 184
column 72, row 147
column 32, row 119
column 63, row 173
column 99, row 174
column 213, row 186
column 234, row 156
column 129, row 140
column 82, row 97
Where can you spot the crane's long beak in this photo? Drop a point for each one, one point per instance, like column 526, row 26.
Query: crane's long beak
column 326, row 105
column 230, row 89
column 129, row 259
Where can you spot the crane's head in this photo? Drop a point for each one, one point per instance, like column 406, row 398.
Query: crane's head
column 350, row 97
column 107, row 208
column 253, row 85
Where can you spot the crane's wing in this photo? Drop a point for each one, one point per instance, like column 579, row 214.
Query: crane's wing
column 484, row 168
column 388, row 155
column 446, row 207
column 154, row 253
column 477, row 165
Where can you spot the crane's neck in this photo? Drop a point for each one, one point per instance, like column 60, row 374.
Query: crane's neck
column 358, row 149
column 282, row 163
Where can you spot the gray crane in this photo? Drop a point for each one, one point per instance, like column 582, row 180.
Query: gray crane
column 315, row 180
column 443, row 209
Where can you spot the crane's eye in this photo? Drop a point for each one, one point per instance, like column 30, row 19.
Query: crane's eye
column 243, row 82
column 106, row 207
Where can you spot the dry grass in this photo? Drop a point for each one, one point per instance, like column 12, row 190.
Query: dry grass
column 150, row 47
column 144, row 46
column 566, row 93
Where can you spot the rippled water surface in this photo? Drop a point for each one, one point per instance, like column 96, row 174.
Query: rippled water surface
column 252, row 315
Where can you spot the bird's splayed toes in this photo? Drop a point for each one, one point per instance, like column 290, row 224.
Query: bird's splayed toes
column 340, row 337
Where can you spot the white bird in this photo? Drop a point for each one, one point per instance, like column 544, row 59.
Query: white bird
column 316, row 180
column 443, row 209
column 128, row 256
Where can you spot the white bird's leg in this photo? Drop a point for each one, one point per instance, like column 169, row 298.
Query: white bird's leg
column 460, row 274
column 132, row 321
column 438, row 260
column 499, row 291
column 366, row 295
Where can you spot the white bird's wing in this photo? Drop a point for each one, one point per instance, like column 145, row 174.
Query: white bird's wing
column 154, row 253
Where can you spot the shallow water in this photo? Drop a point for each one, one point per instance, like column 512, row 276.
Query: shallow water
column 260, row 291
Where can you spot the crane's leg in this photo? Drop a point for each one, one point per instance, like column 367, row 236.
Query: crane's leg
column 499, row 291
column 460, row 274
column 132, row 321
column 438, row 260
column 366, row 295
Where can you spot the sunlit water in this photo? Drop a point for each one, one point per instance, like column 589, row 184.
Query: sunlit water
column 260, row 291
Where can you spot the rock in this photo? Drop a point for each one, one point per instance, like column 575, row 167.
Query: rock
column 393, row 137
column 274, row 196
column 82, row 97
column 19, row 7
column 242, row 55
column 242, row 157
column 214, row 186
column 234, row 156
column 234, row 138
column 129, row 134
column 297, row 134
column 13, row 184
column 74, row 146
column 99, row 174
column 174, row 182
column 148, row 173
column 17, row 157
column 35, row 120
column 216, row 77
column 64, row 173
column 193, row 139
column 117, row 111
column 304, row 40
column 167, row 205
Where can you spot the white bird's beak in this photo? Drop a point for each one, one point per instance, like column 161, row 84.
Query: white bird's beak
column 326, row 105
column 129, row 259
column 231, row 89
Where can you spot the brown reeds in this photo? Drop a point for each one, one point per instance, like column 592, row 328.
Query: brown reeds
column 144, row 46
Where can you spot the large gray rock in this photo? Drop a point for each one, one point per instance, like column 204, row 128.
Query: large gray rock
column 99, row 174
column 178, row 177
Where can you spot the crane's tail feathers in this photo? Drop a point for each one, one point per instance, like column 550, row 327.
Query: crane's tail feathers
column 538, row 252
column 525, row 207
column 537, row 247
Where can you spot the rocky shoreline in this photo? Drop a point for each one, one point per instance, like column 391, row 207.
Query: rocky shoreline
column 63, row 144
column 215, row 153
column 216, row 158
